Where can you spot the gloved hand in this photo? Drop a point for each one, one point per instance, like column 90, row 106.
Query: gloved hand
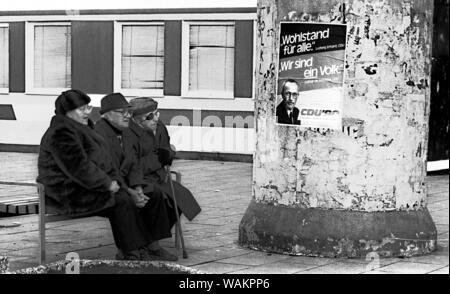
column 164, row 157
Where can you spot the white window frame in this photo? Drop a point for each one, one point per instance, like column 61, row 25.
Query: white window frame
column 5, row 90
column 117, row 67
column 185, row 92
column 29, row 59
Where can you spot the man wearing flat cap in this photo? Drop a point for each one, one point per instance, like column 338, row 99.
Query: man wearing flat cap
column 155, row 152
column 158, row 218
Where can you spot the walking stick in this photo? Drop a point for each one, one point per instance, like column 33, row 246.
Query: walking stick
column 185, row 255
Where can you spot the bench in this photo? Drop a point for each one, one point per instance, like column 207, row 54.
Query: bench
column 47, row 218
column 19, row 203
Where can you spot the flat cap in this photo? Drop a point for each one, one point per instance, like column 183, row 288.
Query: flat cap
column 143, row 105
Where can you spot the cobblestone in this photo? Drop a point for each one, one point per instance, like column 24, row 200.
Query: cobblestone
column 211, row 237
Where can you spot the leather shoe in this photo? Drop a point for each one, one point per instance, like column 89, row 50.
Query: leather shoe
column 131, row 255
column 162, row 254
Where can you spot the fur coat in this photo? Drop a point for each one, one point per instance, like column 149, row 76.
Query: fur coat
column 75, row 168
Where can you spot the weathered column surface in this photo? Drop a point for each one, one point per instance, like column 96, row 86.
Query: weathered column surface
column 359, row 190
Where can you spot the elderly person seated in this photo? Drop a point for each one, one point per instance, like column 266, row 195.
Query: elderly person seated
column 155, row 152
column 157, row 216
column 80, row 177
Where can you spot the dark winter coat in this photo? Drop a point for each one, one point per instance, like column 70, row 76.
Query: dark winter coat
column 147, row 145
column 124, row 158
column 162, row 138
column 75, row 168
column 283, row 117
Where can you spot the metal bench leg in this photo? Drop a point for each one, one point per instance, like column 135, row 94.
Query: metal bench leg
column 41, row 224
column 177, row 237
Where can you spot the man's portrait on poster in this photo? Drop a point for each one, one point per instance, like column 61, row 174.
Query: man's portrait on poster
column 287, row 112
column 311, row 74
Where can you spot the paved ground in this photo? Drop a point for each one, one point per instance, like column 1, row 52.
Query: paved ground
column 223, row 189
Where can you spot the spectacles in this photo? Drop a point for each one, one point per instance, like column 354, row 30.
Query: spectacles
column 291, row 94
column 152, row 115
column 123, row 112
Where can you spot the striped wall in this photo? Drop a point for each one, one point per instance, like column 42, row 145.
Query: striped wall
column 92, row 56
column 17, row 57
column 209, row 125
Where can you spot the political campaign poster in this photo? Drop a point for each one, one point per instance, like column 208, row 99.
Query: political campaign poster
column 311, row 74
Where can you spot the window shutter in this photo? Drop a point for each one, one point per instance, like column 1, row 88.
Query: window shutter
column 211, row 57
column 17, row 57
column 93, row 56
column 4, row 69
column 142, row 56
column 172, row 58
column 243, row 61
column 52, row 56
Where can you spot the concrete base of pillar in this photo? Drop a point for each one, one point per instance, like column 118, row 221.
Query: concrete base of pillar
column 336, row 233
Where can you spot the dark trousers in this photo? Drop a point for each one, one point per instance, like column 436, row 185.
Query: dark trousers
column 128, row 229
column 134, row 228
column 185, row 200
column 158, row 216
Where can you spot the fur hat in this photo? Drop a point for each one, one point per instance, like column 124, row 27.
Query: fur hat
column 113, row 101
column 70, row 100
column 143, row 105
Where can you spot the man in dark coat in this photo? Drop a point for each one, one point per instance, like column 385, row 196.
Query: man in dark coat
column 113, row 127
column 155, row 152
column 287, row 113
column 79, row 176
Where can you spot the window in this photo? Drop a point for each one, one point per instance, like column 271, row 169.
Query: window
column 4, row 58
column 141, row 59
column 208, row 60
column 48, row 58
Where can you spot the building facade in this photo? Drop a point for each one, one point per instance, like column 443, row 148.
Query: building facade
column 197, row 63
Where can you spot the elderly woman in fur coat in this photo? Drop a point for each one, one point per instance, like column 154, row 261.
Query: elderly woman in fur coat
column 80, row 179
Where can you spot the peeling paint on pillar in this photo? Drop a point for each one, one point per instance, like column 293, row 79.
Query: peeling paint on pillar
column 384, row 167
column 381, row 165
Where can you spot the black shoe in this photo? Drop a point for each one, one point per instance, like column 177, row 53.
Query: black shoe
column 119, row 255
column 131, row 255
column 161, row 254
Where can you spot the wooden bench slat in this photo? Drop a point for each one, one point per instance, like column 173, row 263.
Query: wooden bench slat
column 3, row 208
column 17, row 202
column 32, row 208
column 12, row 209
column 22, row 209
column 19, row 198
column 15, row 208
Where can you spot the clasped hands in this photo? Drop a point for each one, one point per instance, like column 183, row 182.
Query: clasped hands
column 137, row 194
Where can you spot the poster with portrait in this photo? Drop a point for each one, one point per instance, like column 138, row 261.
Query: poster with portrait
column 311, row 74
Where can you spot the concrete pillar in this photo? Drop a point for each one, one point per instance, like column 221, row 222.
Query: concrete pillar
column 347, row 193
